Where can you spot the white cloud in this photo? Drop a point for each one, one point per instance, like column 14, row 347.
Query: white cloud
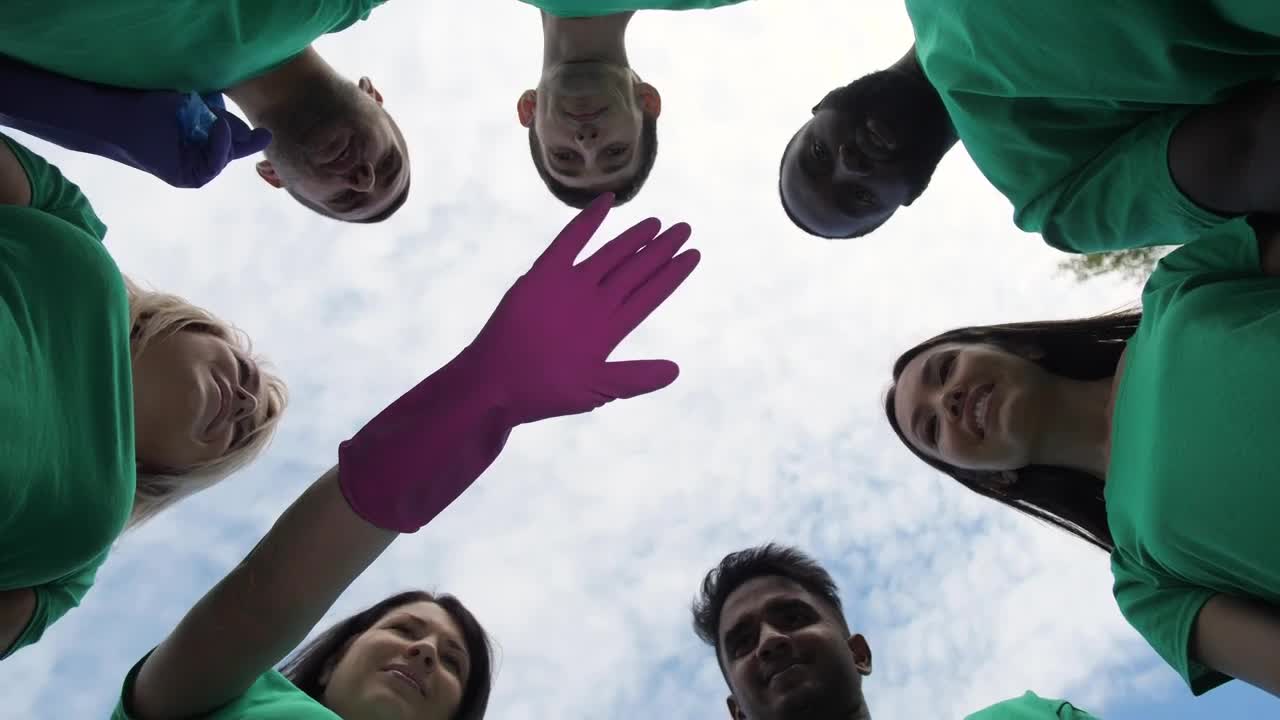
column 583, row 545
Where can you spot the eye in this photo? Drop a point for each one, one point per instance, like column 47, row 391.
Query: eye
column 864, row 197
column 793, row 619
column 453, row 662
column 384, row 166
column 616, row 151
column 818, row 151
column 344, row 198
column 931, row 431
column 562, row 156
column 945, row 368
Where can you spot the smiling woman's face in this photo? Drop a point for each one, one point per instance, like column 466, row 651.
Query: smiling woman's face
column 196, row 397
column 973, row 406
column 412, row 664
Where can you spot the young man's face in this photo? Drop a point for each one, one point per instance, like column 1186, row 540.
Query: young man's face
column 787, row 656
column 588, row 117
column 869, row 149
column 339, row 152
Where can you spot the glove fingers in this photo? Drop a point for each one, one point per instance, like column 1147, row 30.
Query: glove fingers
column 631, row 378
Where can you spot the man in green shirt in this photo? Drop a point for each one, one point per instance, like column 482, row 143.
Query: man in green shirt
column 593, row 123
column 774, row 618
column 1114, row 126
column 334, row 148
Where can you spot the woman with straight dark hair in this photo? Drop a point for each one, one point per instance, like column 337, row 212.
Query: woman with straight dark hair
column 1150, row 434
column 464, row 646
column 542, row 354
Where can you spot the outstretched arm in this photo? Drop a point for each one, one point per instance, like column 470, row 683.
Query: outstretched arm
column 138, row 128
column 1226, row 157
column 262, row 609
column 543, row 353
column 1240, row 638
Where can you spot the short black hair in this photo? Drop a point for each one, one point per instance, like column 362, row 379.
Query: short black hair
column 782, row 164
column 387, row 212
column 736, row 569
column 579, row 197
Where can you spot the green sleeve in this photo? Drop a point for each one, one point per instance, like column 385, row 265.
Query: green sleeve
column 1123, row 197
column 1032, row 707
column 271, row 697
column 1226, row 252
column 54, row 600
column 55, row 194
column 1163, row 611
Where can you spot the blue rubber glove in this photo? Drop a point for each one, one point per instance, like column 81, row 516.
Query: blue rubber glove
column 144, row 129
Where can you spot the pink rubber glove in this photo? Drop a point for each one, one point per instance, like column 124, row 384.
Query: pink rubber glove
column 542, row 354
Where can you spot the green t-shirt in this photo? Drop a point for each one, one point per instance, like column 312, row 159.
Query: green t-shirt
column 1191, row 489
column 1068, row 107
column 271, row 697
column 67, row 474
column 595, row 8
column 200, row 45
column 1032, row 707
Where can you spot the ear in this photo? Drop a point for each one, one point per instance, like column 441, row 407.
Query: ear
column 366, row 86
column 735, row 712
column 861, row 654
column 649, row 99
column 526, row 107
column 267, row 172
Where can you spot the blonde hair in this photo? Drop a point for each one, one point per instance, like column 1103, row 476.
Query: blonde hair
column 154, row 316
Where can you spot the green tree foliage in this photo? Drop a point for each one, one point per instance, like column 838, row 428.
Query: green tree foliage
column 1131, row 265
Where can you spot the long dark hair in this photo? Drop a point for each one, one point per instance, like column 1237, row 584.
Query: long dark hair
column 308, row 663
column 1086, row 349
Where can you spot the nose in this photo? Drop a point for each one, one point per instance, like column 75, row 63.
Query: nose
column 587, row 134
column 245, row 404
column 361, row 177
column 953, row 403
column 425, row 651
column 774, row 646
column 853, row 161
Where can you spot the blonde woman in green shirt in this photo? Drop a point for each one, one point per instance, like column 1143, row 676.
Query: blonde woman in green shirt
column 1149, row 434
column 116, row 402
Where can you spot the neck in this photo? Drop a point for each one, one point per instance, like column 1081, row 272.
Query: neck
column 1079, row 430
column 594, row 39
column 260, row 96
column 909, row 64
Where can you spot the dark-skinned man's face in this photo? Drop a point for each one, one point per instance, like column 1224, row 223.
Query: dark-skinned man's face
column 869, row 149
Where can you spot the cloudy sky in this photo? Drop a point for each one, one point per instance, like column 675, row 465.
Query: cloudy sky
column 582, row 546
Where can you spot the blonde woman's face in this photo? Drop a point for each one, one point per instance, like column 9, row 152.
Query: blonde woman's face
column 195, row 398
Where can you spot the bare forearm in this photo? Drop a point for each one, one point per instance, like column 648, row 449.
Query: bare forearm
column 1240, row 638
column 1226, row 157
column 263, row 609
column 16, row 609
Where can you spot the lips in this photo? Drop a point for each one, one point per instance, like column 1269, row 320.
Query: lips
column 978, row 408
column 785, row 674
column 587, row 117
column 408, row 678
